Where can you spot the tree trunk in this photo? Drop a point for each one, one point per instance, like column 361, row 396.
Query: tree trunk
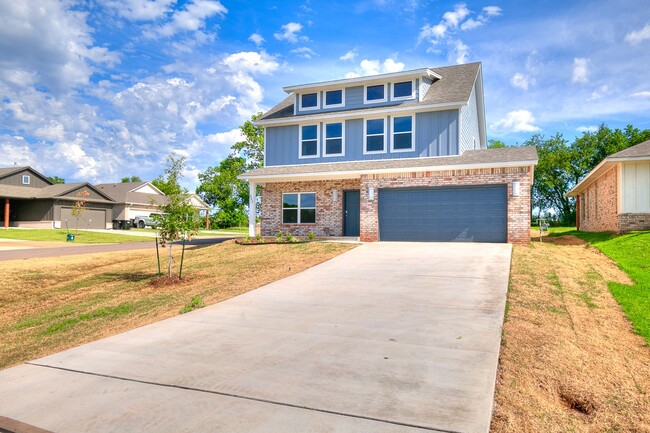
column 170, row 260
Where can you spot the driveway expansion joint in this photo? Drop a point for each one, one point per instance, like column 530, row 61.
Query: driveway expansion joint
column 243, row 397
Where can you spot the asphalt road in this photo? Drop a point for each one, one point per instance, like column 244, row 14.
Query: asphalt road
column 33, row 253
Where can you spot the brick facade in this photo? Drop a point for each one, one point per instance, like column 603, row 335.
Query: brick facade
column 329, row 213
column 598, row 209
column 634, row 221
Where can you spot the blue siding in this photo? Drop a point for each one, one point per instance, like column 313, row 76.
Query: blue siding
column 436, row 134
column 469, row 131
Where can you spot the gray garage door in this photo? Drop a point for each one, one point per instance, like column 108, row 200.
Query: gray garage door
column 445, row 214
column 89, row 219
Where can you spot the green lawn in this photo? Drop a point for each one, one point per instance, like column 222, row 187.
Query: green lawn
column 59, row 235
column 632, row 253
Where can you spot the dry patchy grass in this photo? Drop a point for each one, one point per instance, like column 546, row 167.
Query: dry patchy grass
column 51, row 304
column 569, row 360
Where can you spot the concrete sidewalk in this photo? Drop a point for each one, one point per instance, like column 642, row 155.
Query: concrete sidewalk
column 388, row 337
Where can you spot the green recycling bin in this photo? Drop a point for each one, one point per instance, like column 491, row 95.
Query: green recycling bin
column 70, row 238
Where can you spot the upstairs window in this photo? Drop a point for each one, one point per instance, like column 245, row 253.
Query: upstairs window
column 334, row 98
column 375, row 94
column 334, row 139
column 299, row 208
column 309, row 101
column 26, row 179
column 309, row 141
column 402, row 134
column 375, row 136
column 403, row 90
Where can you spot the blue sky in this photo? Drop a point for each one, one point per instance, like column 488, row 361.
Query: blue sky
column 101, row 89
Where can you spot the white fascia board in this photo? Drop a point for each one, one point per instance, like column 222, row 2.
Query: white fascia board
column 588, row 179
column 352, row 174
column 361, row 113
column 425, row 72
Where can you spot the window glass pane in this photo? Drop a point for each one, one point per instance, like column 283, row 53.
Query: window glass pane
column 403, row 89
column 334, row 130
column 290, row 216
column 308, row 200
column 309, row 100
column 309, row 148
column 403, row 124
column 375, row 126
column 375, row 143
column 375, row 92
column 307, row 216
column 333, row 146
column 309, row 132
column 289, row 200
column 334, row 97
column 402, row 141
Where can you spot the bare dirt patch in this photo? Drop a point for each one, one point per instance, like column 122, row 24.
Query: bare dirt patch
column 51, row 304
column 569, row 359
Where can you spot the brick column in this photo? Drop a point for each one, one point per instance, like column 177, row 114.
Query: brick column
column 7, row 209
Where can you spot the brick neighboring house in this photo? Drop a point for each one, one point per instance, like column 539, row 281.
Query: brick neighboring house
column 399, row 156
column 615, row 195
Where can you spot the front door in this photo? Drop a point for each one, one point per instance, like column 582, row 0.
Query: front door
column 351, row 213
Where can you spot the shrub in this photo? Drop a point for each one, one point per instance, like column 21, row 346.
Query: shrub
column 289, row 237
column 278, row 236
column 259, row 238
column 195, row 303
column 310, row 236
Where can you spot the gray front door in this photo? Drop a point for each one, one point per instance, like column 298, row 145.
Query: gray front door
column 351, row 213
column 444, row 214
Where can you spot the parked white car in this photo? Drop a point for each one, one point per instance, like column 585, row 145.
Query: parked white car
column 143, row 221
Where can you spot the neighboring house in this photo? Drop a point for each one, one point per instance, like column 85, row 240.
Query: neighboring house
column 399, row 156
column 140, row 199
column 31, row 200
column 615, row 196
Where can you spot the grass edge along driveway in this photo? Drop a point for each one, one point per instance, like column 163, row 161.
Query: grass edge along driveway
column 59, row 235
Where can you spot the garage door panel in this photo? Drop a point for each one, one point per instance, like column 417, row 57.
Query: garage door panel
column 89, row 219
column 446, row 214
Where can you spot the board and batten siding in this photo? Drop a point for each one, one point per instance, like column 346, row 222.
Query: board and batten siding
column 469, row 132
column 354, row 99
column 636, row 187
column 436, row 134
column 16, row 179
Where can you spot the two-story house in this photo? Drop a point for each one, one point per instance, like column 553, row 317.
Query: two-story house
column 391, row 157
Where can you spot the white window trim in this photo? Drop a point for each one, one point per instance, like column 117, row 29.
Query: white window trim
column 374, row 101
column 300, row 155
column 325, row 154
column 365, row 137
column 342, row 104
column 317, row 107
column 392, row 135
column 402, row 98
column 26, row 180
column 299, row 207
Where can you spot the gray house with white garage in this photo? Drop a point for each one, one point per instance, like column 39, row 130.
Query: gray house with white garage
column 391, row 157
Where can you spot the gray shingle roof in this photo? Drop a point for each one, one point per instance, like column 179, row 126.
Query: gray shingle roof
column 507, row 156
column 51, row 191
column 639, row 151
column 121, row 193
column 455, row 86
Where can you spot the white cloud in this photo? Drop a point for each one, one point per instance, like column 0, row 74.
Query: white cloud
column 290, row 32
column 257, row 39
column 140, row 10
column 453, row 18
column 304, row 52
column 637, row 36
column 227, row 138
column 460, row 52
column 599, row 92
column 590, row 128
column 54, row 131
column 190, row 19
column 484, row 17
column 252, row 62
column 375, row 67
column 521, row 81
column 492, row 11
column 516, row 121
column 580, row 70
column 642, row 94
column 50, row 45
column 350, row 55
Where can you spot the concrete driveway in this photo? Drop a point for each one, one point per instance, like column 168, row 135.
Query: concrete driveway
column 388, row 337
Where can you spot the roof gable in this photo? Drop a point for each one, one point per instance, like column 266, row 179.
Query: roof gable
column 10, row 171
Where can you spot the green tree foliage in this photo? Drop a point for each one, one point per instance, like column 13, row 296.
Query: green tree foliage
column 252, row 147
column 166, row 184
column 56, row 179
column 496, row 144
column 131, row 179
column 178, row 217
column 562, row 165
column 221, row 189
